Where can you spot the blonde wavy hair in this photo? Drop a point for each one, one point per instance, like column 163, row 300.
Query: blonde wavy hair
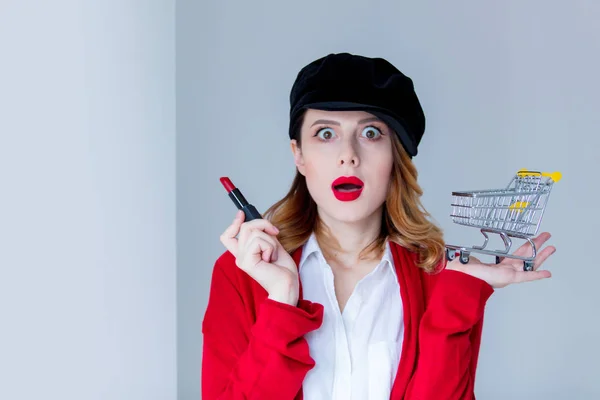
column 404, row 219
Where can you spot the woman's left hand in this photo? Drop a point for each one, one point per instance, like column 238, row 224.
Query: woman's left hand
column 509, row 270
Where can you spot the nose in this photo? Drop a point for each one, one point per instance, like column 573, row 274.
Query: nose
column 348, row 156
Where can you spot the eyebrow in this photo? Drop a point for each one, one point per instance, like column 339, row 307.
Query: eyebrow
column 331, row 122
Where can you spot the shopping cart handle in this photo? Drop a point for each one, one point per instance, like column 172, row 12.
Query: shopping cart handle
column 555, row 176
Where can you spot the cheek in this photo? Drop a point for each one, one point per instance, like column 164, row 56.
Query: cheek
column 381, row 174
column 316, row 161
column 316, row 168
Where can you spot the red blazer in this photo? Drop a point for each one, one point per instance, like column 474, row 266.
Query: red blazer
column 254, row 347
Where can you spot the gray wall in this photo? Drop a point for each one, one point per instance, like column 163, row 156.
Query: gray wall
column 87, row 200
column 505, row 85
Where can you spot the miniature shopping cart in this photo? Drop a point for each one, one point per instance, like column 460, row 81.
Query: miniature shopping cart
column 513, row 212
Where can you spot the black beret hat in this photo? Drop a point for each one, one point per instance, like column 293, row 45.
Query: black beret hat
column 351, row 82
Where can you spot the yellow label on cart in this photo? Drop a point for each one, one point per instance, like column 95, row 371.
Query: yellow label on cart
column 519, row 205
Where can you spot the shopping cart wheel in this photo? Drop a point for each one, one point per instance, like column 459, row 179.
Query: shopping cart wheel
column 527, row 265
column 464, row 257
column 450, row 254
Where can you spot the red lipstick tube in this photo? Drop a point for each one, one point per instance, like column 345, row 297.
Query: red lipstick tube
column 240, row 201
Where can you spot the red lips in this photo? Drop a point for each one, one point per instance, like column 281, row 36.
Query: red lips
column 347, row 188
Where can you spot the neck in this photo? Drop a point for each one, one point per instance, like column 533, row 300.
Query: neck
column 352, row 237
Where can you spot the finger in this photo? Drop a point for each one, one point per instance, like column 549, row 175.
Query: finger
column 528, row 276
column 256, row 224
column 259, row 248
column 543, row 256
column 251, row 254
column 228, row 237
column 263, row 225
column 270, row 255
column 274, row 255
column 525, row 249
column 266, row 254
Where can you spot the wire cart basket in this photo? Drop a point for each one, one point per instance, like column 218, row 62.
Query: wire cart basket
column 513, row 212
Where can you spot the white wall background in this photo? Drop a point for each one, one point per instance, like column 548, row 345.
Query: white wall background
column 505, row 85
column 87, row 200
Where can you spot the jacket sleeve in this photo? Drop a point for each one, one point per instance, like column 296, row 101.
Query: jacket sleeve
column 449, row 338
column 265, row 359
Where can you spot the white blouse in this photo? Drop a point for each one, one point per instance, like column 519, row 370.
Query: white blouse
column 356, row 352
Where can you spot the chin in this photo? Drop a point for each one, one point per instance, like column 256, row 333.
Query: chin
column 349, row 212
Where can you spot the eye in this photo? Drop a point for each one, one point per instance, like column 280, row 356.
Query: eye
column 370, row 132
column 325, row 133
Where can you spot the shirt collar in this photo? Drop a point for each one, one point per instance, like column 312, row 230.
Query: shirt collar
column 388, row 258
column 312, row 247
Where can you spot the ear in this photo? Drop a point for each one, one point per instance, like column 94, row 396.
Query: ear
column 298, row 157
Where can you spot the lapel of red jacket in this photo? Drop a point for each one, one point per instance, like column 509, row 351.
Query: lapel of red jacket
column 297, row 256
column 409, row 279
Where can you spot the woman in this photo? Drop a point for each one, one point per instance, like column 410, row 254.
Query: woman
column 342, row 291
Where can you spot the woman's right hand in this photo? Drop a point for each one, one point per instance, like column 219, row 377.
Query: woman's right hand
column 258, row 253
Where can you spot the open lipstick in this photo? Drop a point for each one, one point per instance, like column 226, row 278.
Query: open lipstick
column 240, row 201
column 347, row 188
